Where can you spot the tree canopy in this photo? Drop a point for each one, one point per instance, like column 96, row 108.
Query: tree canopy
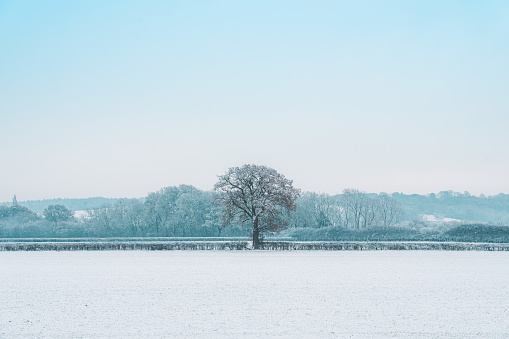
column 56, row 213
column 258, row 195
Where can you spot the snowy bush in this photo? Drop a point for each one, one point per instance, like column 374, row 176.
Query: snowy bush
column 478, row 233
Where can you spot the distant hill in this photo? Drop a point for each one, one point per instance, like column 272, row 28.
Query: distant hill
column 73, row 204
column 461, row 206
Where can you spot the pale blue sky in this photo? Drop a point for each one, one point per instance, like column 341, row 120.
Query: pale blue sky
column 122, row 98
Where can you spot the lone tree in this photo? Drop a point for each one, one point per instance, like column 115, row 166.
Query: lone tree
column 258, row 195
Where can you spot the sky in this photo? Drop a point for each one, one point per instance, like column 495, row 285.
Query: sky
column 122, row 98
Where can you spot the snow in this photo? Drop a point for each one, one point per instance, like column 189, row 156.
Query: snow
column 254, row 294
column 432, row 218
column 81, row 215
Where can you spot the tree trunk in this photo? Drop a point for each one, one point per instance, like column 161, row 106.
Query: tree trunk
column 256, row 234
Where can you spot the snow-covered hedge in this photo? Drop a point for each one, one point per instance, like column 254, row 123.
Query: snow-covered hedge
column 245, row 245
column 378, row 246
column 130, row 239
column 131, row 245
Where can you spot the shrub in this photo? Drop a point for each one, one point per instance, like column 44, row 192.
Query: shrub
column 477, row 233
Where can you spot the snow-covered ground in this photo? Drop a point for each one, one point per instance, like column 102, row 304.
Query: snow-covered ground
column 255, row 294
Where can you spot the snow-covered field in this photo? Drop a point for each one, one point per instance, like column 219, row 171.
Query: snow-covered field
column 256, row 294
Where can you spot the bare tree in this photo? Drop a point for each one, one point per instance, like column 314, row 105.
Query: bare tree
column 317, row 210
column 353, row 202
column 369, row 212
column 305, row 213
column 389, row 209
column 328, row 211
column 258, row 195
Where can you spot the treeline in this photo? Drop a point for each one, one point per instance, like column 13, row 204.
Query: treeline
column 352, row 210
column 186, row 211
column 182, row 211
column 38, row 206
column 445, row 204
